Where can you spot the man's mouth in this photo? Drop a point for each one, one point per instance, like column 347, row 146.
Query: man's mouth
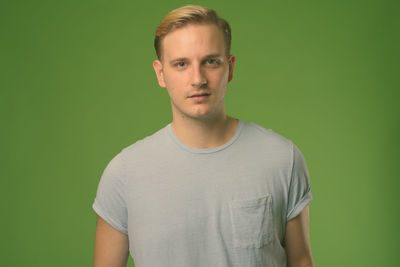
column 199, row 95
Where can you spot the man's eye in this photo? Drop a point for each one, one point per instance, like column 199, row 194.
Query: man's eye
column 181, row 64
column 211, row 61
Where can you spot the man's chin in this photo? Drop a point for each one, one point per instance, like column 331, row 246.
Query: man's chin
column 199, row 113
column 204, row 116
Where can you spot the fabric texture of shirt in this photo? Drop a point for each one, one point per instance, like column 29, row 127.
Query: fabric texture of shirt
column 225, row 206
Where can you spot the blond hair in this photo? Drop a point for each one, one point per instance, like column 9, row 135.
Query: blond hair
column 190, row 14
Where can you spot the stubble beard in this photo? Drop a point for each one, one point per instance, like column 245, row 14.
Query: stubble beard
column 198, row 115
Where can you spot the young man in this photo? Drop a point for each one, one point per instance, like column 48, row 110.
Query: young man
column 207, row 189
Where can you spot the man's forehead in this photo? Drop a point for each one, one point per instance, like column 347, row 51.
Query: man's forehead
column 199, row 39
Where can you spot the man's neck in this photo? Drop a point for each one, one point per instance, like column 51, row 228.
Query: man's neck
column 205, row 133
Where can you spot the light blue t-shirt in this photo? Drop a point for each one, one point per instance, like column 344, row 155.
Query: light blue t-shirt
column 225, row 206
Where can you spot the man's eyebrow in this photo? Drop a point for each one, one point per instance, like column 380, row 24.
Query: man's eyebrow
column 177, row 60
column 212, row 56
column 185, row 59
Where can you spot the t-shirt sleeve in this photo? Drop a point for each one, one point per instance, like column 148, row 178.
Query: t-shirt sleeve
column 110, row 202
column 299, row 189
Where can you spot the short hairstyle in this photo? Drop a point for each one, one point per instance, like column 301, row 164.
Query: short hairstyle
column 190, row 14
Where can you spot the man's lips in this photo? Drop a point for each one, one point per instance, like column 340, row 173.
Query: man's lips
column 199, row 95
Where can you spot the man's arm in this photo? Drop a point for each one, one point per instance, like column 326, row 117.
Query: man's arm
column 111, row 246
column 297, row 241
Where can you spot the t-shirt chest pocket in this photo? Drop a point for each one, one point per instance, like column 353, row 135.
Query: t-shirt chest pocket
column 252, row 222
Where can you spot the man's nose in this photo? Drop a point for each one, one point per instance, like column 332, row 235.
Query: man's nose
column 198, row 77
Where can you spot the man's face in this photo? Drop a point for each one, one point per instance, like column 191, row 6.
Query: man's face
column 195, row 70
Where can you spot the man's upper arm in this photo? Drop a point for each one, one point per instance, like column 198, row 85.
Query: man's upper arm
column 111, row 246
column 297, row 241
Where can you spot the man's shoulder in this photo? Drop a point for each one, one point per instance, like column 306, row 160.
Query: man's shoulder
column 262, row 135
column 148, row 143
column 267, row 147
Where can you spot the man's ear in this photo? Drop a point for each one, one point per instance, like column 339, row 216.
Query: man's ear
column 231, row 63
column 157, row 65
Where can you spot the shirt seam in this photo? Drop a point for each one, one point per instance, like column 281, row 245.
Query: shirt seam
column 206, row 150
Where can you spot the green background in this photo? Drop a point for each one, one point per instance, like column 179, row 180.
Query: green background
column 77, row 86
